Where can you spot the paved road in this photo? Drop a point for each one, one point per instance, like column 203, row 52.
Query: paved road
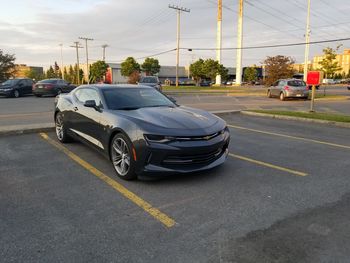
column 32, row 110
column 248, row 210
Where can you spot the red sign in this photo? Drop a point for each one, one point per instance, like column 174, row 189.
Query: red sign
column 108, row 77
column 314, row 77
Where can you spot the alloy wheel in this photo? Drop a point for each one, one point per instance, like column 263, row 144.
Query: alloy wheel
column 59, row 127
column 16, row 93
column 121, row 156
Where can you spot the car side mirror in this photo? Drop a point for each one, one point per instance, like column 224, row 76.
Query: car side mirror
column 90, row 104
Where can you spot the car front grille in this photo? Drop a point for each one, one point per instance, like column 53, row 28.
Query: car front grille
column 193, row 159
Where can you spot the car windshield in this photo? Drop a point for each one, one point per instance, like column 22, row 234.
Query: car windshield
column 10, row 82
column 296, row 83
column 148, row 80
column 52, row 81
column 133, row 98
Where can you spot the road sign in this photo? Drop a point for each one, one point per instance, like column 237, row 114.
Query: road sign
column 314, row 77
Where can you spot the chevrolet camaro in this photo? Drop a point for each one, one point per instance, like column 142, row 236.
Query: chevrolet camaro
column 141, row 131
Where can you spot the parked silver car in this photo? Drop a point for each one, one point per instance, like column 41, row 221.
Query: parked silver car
column 288, row 88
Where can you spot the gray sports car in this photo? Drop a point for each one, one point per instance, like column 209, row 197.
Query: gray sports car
column 141, row 130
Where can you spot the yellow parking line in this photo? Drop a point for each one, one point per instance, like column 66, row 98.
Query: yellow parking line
column 158, row 215
column 291, row 137
column 268, row 165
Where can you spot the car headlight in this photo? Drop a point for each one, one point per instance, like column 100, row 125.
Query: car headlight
column 224, row 130
column 158, row 138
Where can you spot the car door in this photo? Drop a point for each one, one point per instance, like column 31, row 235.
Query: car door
column 273, row 88
column 281, row 85
column 28, row 85
column 86, row 121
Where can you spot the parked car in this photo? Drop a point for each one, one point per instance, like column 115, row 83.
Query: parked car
column 16, row 87
column 288, row 88
column 52, row 87
column 151, row 81
column 141, row 131
column 205, row 83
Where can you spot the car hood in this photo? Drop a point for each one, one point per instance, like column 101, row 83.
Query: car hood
column 148, row 84
column 181, row 118
column 6, row 86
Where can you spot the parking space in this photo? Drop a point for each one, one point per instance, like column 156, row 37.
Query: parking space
column 272, row 195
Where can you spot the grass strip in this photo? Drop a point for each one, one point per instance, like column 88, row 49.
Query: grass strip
column 309, row 115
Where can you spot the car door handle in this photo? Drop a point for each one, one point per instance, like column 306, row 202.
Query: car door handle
column 75, row 108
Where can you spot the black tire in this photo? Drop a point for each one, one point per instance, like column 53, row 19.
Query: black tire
column 37, row 95
column 61, row 129
column 59, row 91
column 16, row 93
column 282, row 97
column 269, row 94
column 121, row 153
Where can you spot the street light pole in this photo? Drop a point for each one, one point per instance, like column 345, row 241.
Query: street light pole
column 239, row 44
column 62, row 71
column 87, row 57
column 307, row 40
column 178, row 11
column 104, row 52
column 219, row 40
column 77, row 46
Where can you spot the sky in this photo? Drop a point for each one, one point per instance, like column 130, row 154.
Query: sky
column 33, row 30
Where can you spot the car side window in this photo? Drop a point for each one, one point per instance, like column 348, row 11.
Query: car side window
column 281, row 83
column 88, row 94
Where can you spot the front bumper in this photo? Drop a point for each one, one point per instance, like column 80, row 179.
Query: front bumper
column 183, row 157
column 6, row 92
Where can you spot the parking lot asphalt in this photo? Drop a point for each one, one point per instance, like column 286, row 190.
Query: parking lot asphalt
column 56, row 208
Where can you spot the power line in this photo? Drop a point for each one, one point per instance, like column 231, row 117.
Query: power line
column 274, row 46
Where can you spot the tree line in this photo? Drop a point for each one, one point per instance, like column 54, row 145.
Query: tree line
column 276, row 67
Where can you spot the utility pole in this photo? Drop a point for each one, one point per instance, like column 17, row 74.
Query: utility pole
column 307, row 40
column 178, row 11
column 77, row 46
column 219, row 40
column 104, row 52
column 62, row 71
column 87, row 57
column 239, row 44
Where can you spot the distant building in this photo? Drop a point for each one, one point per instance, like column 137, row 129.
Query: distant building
column 22, row 69
column 342, row 59
column 166, row 73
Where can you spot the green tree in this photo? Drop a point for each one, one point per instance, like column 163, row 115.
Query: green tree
column 150, row 66
column 329, row 64
column 34, row 74
column 278, row 67
column 71, row 76
column 7, row 66
column 197, row 71
column 50, row 73
column 250, row 74
column 98, row 70
column 128, row 67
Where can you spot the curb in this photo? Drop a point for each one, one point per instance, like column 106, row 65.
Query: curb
column 282, row 117
column 24, row 129
column 225, row 112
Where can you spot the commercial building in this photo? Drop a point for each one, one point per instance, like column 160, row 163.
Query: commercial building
column 23, row 69
column 342, row 59
column 166, row 72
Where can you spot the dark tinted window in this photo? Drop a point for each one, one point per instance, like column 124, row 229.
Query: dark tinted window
column 132, row 98
column 51, row 81
column 296, row 83
column 11, row 82
column 149, row 80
